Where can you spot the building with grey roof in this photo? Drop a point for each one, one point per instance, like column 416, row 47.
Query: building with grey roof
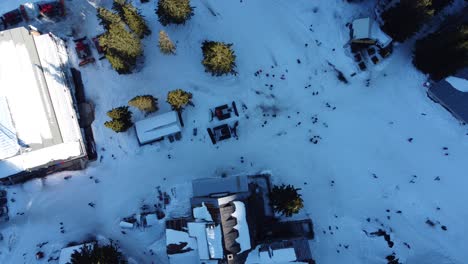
column 39, row 130
column 232, row 222
column 453, row 96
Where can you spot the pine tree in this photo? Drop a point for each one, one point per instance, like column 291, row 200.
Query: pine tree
column 146, row 103
column 107, row 17
column 442, row 53
column 165, row 44
column 286, row 200
column 96, row 254
column 121, row 47
column 174, row 11
column 219, row 58
column 135, row 21
column 118, row 5
column 408, row 16
column 122, row 42
column 121, row 65
column 121, row 119
column 120, row 113
column 178, row 99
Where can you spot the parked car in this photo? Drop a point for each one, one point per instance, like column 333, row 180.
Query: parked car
column 3, row 201
column 3, row 194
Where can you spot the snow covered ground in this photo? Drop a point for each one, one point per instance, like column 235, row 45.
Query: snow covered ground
column 385, row 156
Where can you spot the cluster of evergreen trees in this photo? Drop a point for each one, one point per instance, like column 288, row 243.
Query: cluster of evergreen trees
column 121, row 119
column 408, row 16
column 97, row 254
column 444, row 52
column 124, row 26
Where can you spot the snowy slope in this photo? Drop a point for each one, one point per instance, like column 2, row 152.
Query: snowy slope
column 378, row 148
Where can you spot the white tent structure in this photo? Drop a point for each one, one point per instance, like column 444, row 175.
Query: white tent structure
column 157, row 127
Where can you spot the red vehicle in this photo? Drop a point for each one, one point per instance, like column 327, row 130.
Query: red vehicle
column 83, row 51
column 51, row 9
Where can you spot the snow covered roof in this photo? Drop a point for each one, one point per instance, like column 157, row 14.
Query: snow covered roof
column 214, row 239
column 156, row 127
column 65, row 254
column 242, row 226
column 452, row 93
column 365, row 29
column 458, row 83
column 209, row 186
column 8, row 141
column 198, row 231
column 362, row 28
column 36, row 91
column 201, row 213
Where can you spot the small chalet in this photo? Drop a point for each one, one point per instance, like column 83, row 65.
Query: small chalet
column 232, row 223
column 452, row 94
column 366, row 31
column 155, row 128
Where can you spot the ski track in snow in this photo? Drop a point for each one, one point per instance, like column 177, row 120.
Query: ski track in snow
column 376, row 148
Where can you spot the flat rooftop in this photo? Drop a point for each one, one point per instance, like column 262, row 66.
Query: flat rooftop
column 36, row 105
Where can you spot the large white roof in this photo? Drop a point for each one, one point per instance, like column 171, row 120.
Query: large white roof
column 40, row 105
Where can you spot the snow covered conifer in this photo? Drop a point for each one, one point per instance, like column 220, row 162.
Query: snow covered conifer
column 96, row 254
column 107, row 17
column 286, row 200
column 174, row 11
column 178, row 99
column 135, row 21
column 218, row 58
column 146, row 103
column 165, row 44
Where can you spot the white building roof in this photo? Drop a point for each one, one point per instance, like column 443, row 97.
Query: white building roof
column 242, row 226
column 361, row 28
column 153, row 128
column 39, row 101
